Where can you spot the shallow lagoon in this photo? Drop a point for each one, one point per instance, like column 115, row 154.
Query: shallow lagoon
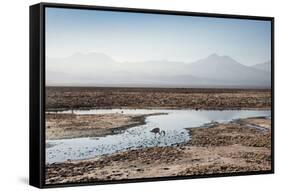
column 174, row 124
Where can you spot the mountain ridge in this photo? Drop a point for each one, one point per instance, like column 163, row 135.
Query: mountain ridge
column 98, row 68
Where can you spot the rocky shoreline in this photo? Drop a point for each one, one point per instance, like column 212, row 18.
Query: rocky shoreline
column 236, row 146
column 66, row 126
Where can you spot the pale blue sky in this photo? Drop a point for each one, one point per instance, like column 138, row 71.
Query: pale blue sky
column 142, row 37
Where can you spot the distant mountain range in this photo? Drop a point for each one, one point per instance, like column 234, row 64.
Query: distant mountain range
column 265, row 66
column 96, row 69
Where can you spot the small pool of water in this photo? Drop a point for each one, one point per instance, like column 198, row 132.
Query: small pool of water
column 174, row 124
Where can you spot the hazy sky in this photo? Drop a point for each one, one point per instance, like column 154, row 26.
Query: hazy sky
column 142, row 37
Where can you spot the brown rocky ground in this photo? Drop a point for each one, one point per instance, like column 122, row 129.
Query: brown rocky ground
column 222, row 148
column 58, row 98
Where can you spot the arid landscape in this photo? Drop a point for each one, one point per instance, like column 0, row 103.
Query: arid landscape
column 238, row 145
column 170, row 96
column 61, row 98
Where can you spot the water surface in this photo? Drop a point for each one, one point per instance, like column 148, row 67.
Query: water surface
column 174, row 124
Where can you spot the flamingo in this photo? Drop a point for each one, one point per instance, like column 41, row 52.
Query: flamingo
column 157, row 130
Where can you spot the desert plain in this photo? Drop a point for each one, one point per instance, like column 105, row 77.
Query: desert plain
column 240, row 145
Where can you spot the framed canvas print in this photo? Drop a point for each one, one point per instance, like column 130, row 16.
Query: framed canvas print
column 126, row 95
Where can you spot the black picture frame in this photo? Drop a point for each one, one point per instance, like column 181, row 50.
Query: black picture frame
column 37, row 92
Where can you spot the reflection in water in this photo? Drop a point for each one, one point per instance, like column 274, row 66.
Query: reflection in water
column 173, row 124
